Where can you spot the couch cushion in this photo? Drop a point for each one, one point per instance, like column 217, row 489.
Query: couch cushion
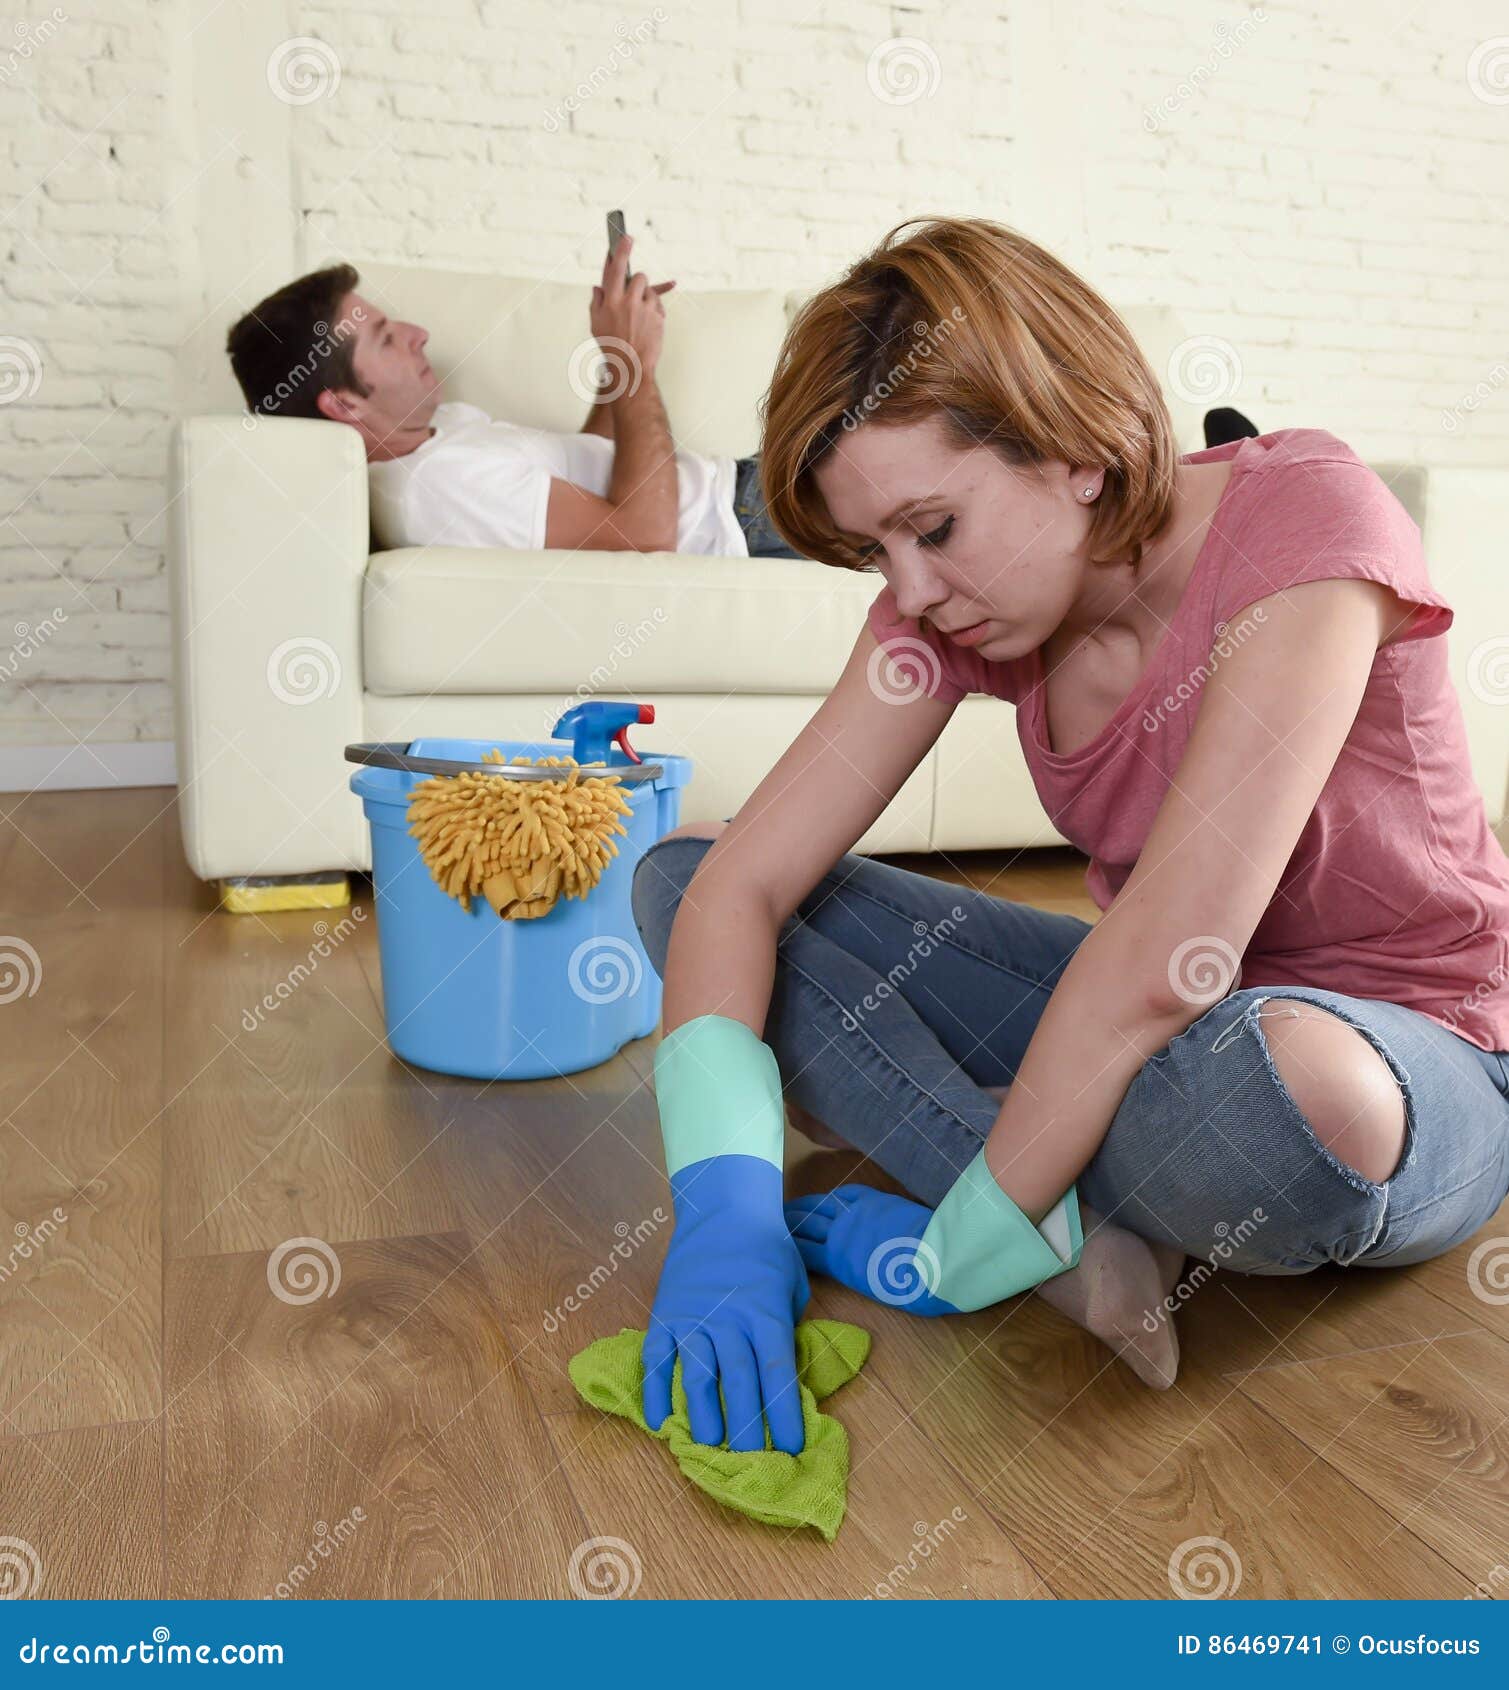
column 452, row 619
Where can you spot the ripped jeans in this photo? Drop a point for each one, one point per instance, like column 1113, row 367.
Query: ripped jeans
column 898, row 997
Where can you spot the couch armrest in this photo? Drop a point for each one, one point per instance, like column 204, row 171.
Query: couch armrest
column 268, row 545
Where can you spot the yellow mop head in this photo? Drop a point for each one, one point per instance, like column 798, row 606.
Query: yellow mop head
column 521, row 843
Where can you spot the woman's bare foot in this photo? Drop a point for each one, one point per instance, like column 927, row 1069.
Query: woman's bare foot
column 1117, row 1292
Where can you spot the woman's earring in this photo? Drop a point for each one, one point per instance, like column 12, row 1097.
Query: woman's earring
column 1089, row 492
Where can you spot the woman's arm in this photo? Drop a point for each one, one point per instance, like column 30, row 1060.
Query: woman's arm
column 733, row 1285
column 833, row 781
column 1273, row 717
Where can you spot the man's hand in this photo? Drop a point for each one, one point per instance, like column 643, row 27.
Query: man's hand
column 627, row 309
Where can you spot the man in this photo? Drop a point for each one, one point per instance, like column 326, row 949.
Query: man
column 448, row 474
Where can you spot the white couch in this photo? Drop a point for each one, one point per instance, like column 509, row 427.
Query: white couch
column 293, row 638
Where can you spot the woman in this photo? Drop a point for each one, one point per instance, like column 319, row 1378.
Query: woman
column 1284, row 1042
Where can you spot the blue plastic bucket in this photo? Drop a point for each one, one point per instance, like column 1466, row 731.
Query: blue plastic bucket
column 467, row 992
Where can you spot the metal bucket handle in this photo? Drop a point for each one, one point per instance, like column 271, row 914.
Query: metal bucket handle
column 394, row 754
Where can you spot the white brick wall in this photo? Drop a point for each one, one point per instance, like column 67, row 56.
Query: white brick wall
column 1321, row 186
column 90, row 319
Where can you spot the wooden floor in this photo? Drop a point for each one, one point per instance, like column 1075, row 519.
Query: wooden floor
column 169, row 1427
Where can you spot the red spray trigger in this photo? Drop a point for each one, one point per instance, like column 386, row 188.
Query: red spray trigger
column 621, row 738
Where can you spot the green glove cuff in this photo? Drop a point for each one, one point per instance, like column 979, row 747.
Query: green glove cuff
column 980, row 1248
column 719, row 1091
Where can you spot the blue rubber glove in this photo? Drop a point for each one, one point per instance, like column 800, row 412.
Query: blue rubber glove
column 868, row 1240
column 976, row 1248
column 730, row 1294
column 733, row 1285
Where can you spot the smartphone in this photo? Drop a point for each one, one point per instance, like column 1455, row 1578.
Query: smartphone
column 616, row 230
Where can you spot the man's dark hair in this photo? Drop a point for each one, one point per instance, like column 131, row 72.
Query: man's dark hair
column 286, row 351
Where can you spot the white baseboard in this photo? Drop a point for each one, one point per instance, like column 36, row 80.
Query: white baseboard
column 56, row 768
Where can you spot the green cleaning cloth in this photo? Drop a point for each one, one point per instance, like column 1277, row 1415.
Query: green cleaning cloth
column 809, row 1489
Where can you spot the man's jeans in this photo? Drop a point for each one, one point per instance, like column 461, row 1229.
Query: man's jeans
column 749, row 507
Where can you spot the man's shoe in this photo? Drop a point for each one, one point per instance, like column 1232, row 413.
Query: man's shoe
column 1223, row 424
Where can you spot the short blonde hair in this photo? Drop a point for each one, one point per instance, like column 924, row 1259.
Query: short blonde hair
column 969, row 320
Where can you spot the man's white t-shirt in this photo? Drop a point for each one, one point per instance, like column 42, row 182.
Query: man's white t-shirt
column 478, row 481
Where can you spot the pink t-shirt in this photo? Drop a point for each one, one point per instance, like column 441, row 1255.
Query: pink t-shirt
column 1397, row 890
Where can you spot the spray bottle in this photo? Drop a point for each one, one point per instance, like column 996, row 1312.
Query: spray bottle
column 596, row 725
